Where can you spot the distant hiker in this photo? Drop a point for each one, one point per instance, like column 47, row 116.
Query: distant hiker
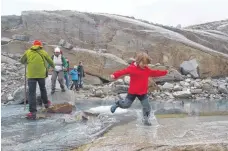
column 139, row 73
column 36, row 58
column 66, row 75
column 81, row 74
column 74, row 77
column 60, row 67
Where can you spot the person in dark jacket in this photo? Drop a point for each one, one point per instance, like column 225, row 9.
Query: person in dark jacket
column 81, row 74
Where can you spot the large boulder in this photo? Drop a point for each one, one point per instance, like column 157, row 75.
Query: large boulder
column 173, row 75
column 125, row 36
column 16, row 47
column 93, row 80
column 190, row 67
column 97, row 64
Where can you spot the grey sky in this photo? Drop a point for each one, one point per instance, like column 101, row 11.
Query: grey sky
column 167, row 12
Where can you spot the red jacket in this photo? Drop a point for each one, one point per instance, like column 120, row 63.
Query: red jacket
column 139, row 77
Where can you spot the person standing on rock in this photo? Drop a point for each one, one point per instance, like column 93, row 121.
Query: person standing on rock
column 139, row 73
column 81, row 74
column 36, row 58
column 60, row 67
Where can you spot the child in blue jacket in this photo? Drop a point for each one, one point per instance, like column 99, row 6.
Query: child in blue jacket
column 74, row 77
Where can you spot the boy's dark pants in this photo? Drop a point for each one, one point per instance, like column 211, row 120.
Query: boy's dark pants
column 32, row 92
column 75, row 83
column 126, row 103
column 80, row 82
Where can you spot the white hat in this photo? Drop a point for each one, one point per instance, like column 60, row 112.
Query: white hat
column 75, row 67
column 57, row 49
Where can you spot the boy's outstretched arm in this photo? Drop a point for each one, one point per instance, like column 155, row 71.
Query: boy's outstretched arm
column 120, row 73
column 157, row 73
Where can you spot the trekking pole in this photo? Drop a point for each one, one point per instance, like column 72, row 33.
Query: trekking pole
column 25, row 89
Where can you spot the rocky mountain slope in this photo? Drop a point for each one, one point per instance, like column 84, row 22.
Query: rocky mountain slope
column 105, row 42
column 123, row 37
column 219, row 26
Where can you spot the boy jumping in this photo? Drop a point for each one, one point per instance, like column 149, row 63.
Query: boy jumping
column 139, row 73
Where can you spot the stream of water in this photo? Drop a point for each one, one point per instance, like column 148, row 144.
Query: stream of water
column 54, row 133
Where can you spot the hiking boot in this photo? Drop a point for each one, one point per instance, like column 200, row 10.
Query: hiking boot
column 52, row 91
column 113, row 108
column 31, row 115
column 63, row 90
column 48, row 104
column 146, row 122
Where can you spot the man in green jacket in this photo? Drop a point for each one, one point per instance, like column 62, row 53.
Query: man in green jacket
column 36, row 58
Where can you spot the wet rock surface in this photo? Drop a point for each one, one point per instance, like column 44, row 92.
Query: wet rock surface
column 166, row 136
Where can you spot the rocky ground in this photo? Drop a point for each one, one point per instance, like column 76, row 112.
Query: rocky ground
column 171, row 87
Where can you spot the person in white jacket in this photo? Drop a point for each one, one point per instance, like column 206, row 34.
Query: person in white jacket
column 60, row 67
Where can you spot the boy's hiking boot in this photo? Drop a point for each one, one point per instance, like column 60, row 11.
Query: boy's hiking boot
column 48, row 104
column 146, row 121
column 113, row 108
column 63, row 90
column 31, row 115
